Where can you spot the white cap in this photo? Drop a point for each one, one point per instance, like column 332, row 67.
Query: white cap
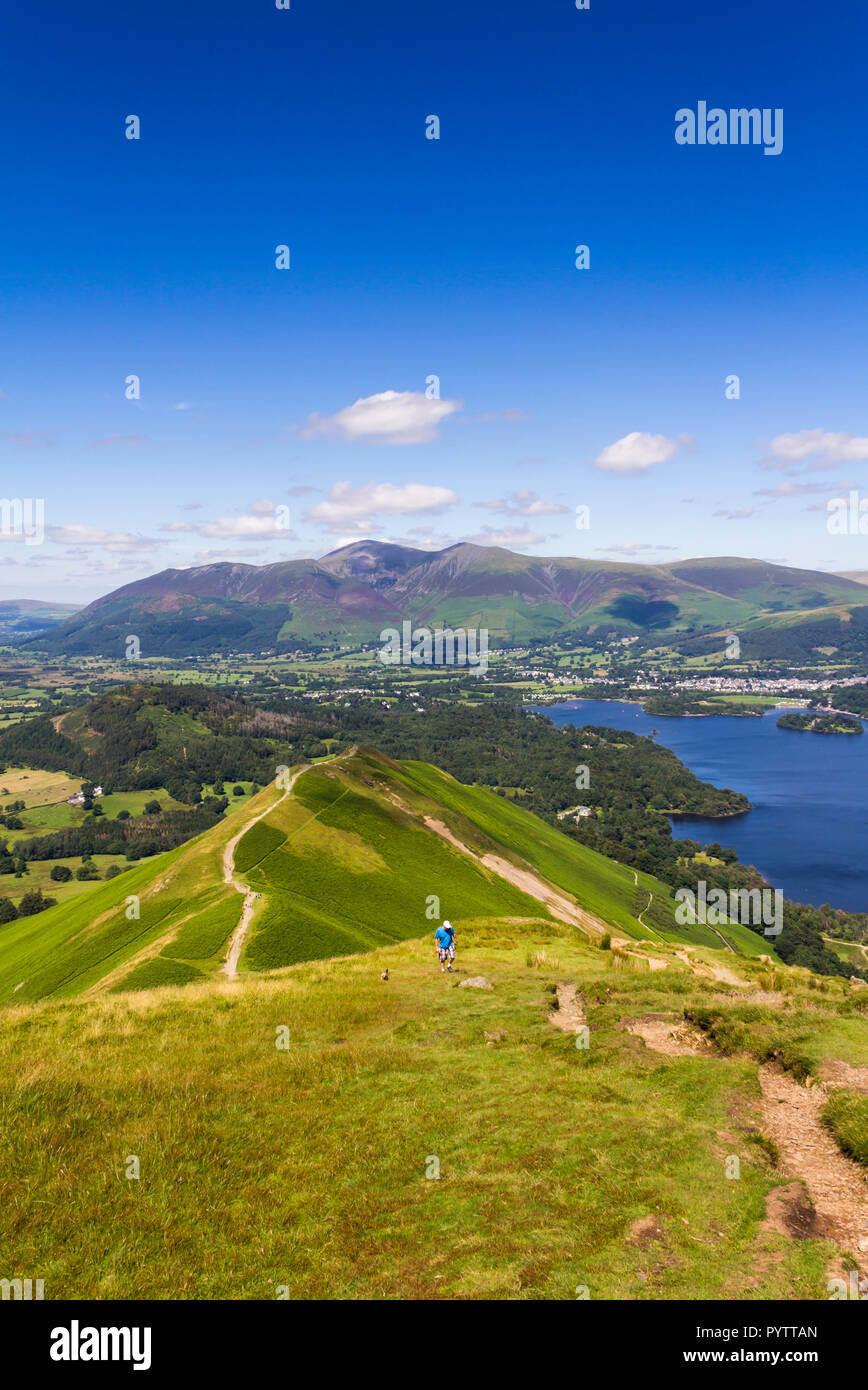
column 447, row 924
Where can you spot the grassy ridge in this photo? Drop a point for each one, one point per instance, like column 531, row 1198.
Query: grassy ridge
column 87, row 941
column 349, row 871
column 345, row 864
column 307, row 1167
column 601, row 885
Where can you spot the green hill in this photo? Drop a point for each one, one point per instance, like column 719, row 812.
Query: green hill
column 364, row 852
column 323, row 1134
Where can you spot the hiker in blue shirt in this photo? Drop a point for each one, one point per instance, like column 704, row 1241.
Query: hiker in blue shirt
column 451, row 930
column 443, row 937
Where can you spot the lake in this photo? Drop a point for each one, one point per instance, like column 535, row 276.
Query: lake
column 808, row 830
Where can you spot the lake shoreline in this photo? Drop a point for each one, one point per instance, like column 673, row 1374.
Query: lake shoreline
column 808, row 801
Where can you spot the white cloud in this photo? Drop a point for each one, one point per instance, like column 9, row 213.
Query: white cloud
column 788, row 489
column 177, row 526
column 736, row 516
column 348, row 507
column 390, row 417
column 637, row 452
column 119, row 542
column 631, row 548
column 94, row 566
column 816, row 449
column 259, row 527
column 213, row 557
column 509, row 416
column 523, row 503
column 512, row 538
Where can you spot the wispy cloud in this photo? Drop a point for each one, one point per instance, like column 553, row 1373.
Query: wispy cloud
column 213, row 557
column 631, row 548
column 790, row 489
column 511, row 538
column 815, row 450
column 490, row 417
column 28, row 439
column 120, row 441
column 739, row 515
column 119, row 542
column 523, row 503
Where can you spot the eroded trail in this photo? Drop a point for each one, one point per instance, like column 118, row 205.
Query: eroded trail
column 836, row 1185
column 569, row 1016
column 236, row 940
column 526, row 879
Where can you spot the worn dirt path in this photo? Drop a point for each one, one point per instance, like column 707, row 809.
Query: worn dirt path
column 645, row 908
column 705, row 970
column 526, row 879
column 569, row 1016
column 836, row 1185
column 236, row 940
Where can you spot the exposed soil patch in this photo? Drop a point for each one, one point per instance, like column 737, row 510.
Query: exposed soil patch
column 705, row 970
column 836, row 1186
column 790, row 1212
column 569, row 1016
column 669, row 1034
column 635, row 960
column 529, row 882
column 646, row 1231
column 836, row 1073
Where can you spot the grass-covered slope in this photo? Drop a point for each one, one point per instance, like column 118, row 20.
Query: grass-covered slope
column 365, row 852
column 145, row 915
column 311, row 1167
column 351, row 862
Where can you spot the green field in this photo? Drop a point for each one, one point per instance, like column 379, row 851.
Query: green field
column 851, row 952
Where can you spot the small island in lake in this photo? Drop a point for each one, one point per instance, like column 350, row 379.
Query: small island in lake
column 821, row 723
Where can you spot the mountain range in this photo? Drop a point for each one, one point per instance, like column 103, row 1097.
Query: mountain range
column 349, row 596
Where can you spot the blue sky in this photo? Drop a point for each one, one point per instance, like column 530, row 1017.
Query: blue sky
column 412, row 258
